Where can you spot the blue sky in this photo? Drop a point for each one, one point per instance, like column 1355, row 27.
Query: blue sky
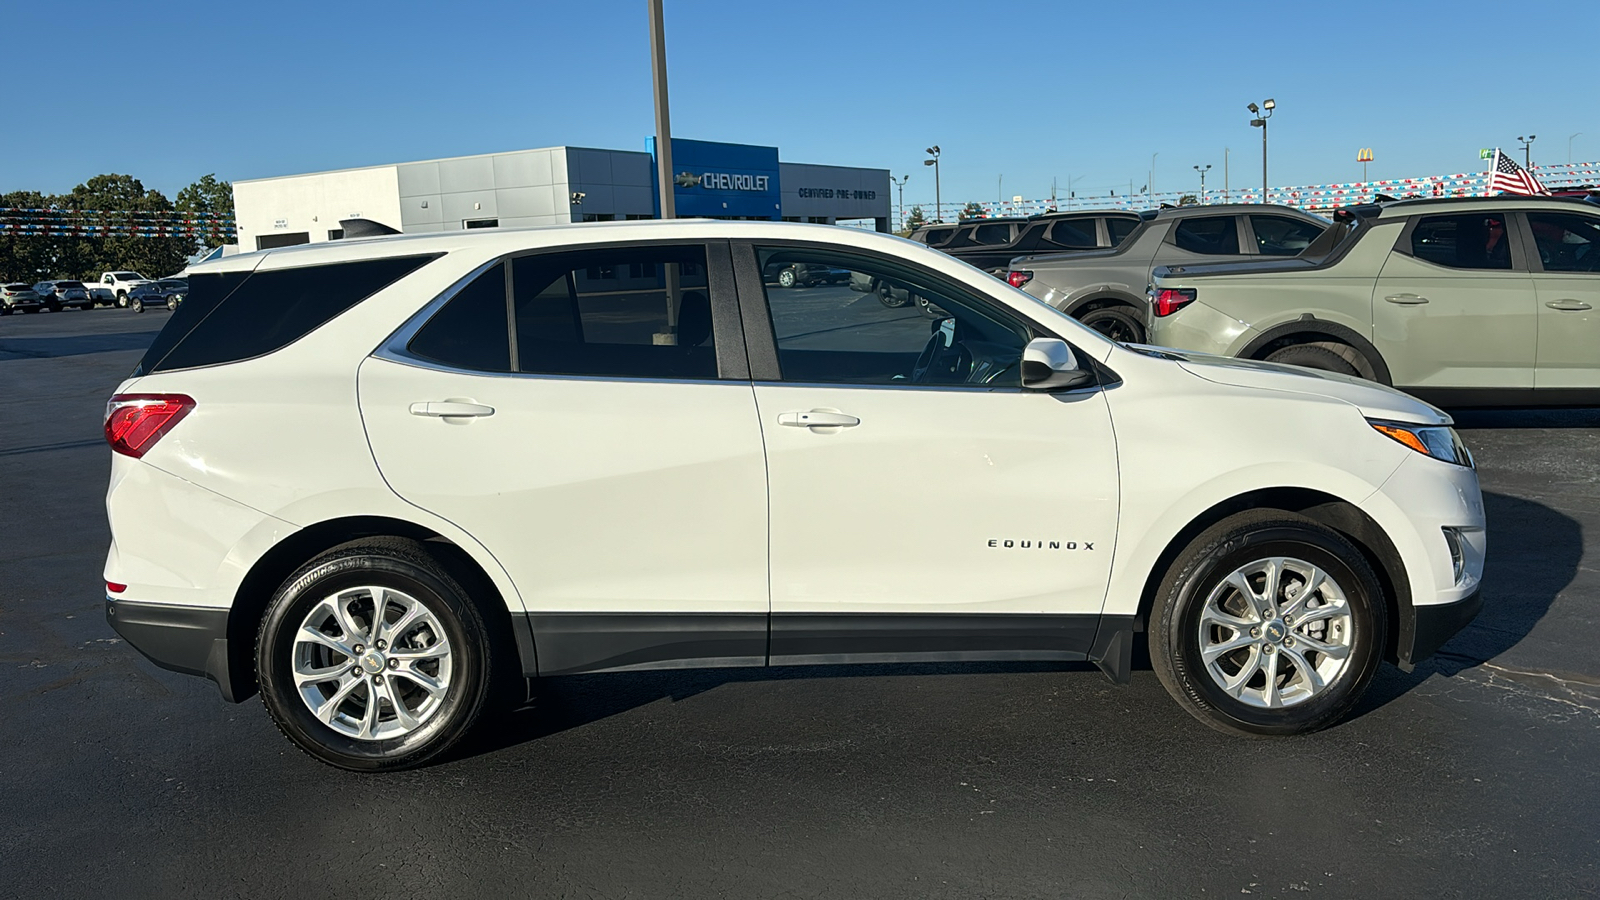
column 1026, row 90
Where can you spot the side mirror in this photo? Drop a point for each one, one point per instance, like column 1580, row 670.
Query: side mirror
column 1048, row 364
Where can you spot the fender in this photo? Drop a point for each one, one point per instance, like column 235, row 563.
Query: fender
column 1104, row 290
column 1309, row 324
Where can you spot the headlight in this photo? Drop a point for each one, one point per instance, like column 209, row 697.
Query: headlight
column 1438, row 441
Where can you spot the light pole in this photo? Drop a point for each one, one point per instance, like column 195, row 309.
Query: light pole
column 1526, row 143
column 1070, row 192
column 1153, row 175
column 1569, row 146
column 1262, row 114
column 938, row 205
column 1227, row 196
column 1203, row 181
column 658, row 71
column 901, row 186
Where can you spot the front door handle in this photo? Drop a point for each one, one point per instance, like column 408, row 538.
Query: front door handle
column 451, row 409
column 818, row 418
column 1406, row 299
column 1569, row 305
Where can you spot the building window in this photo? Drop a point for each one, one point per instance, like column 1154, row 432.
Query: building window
column 335, row 234
column 635, row 217
column 599, row 217
column 480, row 223
column 818, row 220
column 791, row 218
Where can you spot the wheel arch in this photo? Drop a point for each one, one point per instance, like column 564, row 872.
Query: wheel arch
column 1308, row 330
column 274, row 566
column 1104, row 295
column 1334, row 512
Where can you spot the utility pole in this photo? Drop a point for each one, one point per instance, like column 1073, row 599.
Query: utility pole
column 999, row 192
column 1226, row 196
column 1153, row 175
column 1262, row 114
column 1526, row 143
column 658, row 68
column 938, row 203
column 1569, row 146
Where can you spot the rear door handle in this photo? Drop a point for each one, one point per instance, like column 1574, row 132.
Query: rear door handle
column 1569, row 305
column 1406, row 299
column 450, row 408
column 817, row 418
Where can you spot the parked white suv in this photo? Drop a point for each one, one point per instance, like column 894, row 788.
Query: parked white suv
column 367, row 477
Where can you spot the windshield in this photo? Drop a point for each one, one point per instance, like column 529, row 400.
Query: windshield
column 18, row 287
column 69, row 284
column 173, row 283
column 127, row 276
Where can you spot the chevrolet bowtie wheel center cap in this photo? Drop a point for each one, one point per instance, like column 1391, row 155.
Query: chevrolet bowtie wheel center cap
column 372, row 661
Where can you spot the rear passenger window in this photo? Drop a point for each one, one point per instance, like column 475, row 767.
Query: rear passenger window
column 1075, row 233
column 628, row 312
column 1120, row 229
column 1467, row 241
column 937, row 236
column 1213, row 235
column 236, row 315
column 470, row 332
column 1283, row 236
column 992, row 234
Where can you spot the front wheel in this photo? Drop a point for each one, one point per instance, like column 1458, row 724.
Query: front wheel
column 372, row 657
column 1311, row 356
column 136, row 304
column 172, row 303
column 1268, row 624
column 122, row 299
column 787, row 278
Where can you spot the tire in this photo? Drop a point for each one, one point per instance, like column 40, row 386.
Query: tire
column 1310, row 356
column 122, row 298
column 54, row 307
column 5, row 310
column 136, row 304
column 787, row 278
column 1197, row 588
column 349, row 577
column 172, row 303
column 1115, row 322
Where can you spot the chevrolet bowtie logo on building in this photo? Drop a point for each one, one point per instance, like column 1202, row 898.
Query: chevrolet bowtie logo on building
column 723, row 181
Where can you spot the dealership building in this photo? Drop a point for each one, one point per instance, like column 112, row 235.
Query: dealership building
column 557, row 185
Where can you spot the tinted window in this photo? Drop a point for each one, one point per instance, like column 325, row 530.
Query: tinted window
column 470, row 332
column 992, row 234
column 1120, row 229
column 629, row 312
column 1075, row 233
column 905, row 329
column 1216, row 235
column 1468, row 241
column 238, row 315
column 1567, row 243
column 937, row 235
column 1283, row 236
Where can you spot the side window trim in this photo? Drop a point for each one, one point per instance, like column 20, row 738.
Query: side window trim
column 1246, row 236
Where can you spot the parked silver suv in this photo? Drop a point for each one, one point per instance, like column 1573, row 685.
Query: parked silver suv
column 1106, row 289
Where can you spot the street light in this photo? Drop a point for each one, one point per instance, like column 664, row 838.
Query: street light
column 1526, row 143
column 1569, row 146
column 901, row 185
column 1262, row 114
column 938, row 205
column 1152, row 184
column 1203, row 181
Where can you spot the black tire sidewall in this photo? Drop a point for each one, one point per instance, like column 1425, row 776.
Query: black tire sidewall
column 1309, row 356
column 463, row 628
column 1119, row 315
column 1179, row 628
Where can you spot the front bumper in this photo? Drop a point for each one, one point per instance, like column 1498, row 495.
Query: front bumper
column 188, row 639
column 1435, row 624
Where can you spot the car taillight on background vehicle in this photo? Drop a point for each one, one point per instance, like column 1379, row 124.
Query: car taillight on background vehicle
column 1169, row 300
column 1018, row 277
column 134, row 422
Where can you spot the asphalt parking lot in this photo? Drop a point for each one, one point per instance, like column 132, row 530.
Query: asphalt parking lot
column 1474, row 776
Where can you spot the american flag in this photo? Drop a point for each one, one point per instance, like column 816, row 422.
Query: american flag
column 1506, row 175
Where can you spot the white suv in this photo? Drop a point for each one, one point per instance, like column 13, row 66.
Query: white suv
column 369, row 477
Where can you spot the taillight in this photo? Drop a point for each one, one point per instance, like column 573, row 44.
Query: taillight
column 1169, row 300
column 115, row 588
column 1018, row 277
column 134, row 422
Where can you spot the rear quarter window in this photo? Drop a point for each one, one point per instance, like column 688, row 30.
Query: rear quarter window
column 233, row 316
column 1119, row 229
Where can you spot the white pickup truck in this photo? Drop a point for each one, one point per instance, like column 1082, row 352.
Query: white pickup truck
column 120, row 283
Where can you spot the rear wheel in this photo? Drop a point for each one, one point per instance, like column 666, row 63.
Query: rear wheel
column 122, row 298
column 372, row 657
column 172, row 303
column 1268, row 624
column 1115, row 322
column 1311, row 356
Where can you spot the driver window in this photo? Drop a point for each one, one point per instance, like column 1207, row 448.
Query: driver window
column 846, row 319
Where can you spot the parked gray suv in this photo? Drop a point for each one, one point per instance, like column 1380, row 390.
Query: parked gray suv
column 1107, row 289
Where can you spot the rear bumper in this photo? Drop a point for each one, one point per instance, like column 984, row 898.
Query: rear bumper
column 188, row 639
column 1437, row 623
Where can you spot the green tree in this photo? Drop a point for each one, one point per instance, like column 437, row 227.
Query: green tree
column 212, row 198
column 114, row 200
column 916, row 218
column 972, row 211
column 26, row 257
column 1188, row 200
